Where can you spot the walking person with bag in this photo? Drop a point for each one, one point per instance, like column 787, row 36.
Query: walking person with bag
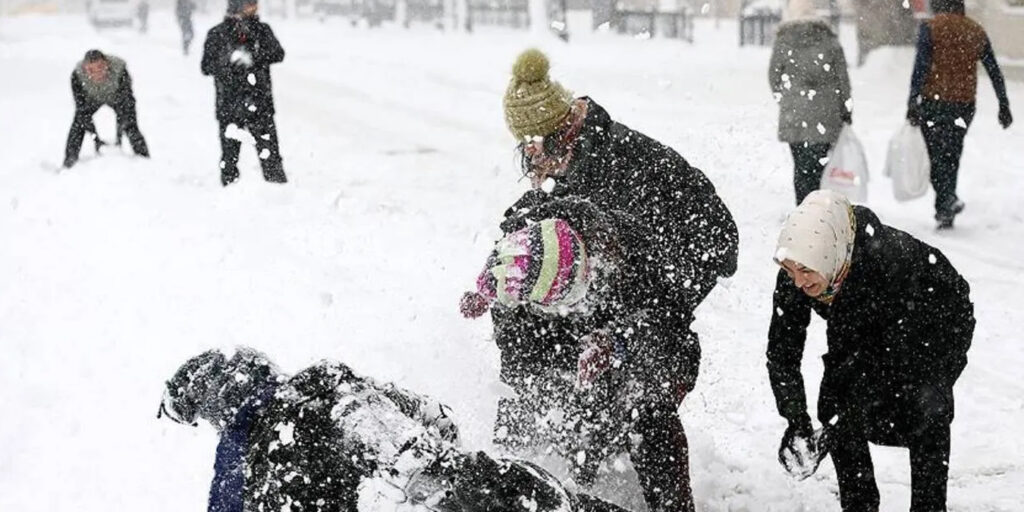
column 899, row 323
column 809, row 79
column 943, row 90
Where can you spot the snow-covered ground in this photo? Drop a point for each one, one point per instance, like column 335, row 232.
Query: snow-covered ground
column 113, row 273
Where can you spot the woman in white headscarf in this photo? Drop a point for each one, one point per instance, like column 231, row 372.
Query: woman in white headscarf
column 899, row 323
column 809, row 80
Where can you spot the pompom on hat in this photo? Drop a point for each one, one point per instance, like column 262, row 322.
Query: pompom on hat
column 535, row 105
column 544, row 264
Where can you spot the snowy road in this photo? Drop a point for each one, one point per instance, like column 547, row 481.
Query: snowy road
column 113, row 273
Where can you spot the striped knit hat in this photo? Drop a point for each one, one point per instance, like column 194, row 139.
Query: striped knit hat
column 544, row 264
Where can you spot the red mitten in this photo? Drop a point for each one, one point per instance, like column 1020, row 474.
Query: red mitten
column 594, row 360
column 473, row 305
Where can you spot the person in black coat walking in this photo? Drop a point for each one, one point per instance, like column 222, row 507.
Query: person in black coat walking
column 238, row 54
column 330, row 440
column 98, row 80
column 688, row 234
column 899, row 323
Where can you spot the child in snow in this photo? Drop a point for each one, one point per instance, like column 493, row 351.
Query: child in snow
column 327, row 439
column 99, row 80
column 899, row 323
column 576, row 321
column 689, row 240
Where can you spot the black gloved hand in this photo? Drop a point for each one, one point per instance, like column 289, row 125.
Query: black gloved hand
column 800, row 426
column 99, row 143
column 847, row 117
column 1005, row 117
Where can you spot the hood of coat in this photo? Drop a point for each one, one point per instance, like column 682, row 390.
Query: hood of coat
column 214, row 385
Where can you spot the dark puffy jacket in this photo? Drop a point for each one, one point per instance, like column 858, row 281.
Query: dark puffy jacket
column 242, row 91
column 808, row 76
column 678, row 239
column 315, row 437
column 903, row 317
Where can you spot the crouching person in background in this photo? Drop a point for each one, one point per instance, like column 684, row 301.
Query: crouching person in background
column 96, row 81
column 328, row 439
column 899, row 323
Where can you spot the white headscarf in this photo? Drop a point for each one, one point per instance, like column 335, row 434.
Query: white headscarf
column 819, row 234
column 801, row 10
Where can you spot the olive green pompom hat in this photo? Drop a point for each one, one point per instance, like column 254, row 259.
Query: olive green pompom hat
column 534, row 104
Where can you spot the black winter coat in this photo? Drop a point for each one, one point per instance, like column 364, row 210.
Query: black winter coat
column 679, row 239
column 903, row 317
column 243, row 91
column 326, row 429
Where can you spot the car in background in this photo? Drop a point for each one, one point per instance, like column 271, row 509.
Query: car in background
column 105, row 13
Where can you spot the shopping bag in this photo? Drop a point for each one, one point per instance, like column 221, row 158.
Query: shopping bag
column 847, row 169
column 907, row 164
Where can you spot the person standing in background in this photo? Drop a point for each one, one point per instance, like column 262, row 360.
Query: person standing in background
column 810, row 82
column 943, row 90
column 238, row 54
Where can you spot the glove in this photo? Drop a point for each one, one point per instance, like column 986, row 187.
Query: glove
column 241, row 57
column 802, row 449
column 473, row 305
column 1005, row 117
column 847, row 117
column 597, row 356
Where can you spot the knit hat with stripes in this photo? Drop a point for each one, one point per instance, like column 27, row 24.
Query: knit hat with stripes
column 544, row 264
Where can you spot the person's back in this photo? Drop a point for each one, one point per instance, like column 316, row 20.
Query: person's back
column 958, row 43
column 808, row 75
column 943, row 91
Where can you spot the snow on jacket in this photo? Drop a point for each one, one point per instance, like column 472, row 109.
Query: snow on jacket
column 683, row 239
column 903, row 317
column 808, row 76
column 238, row 54
column 311, row 444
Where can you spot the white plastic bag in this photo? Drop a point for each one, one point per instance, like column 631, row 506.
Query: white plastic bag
column 907, row 164
column 847, row 169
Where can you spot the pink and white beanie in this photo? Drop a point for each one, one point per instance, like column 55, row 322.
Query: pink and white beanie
column 544, row 264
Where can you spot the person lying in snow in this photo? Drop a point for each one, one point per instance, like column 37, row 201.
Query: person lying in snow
column 328, row 440
column 899, row 323
column 592, row 371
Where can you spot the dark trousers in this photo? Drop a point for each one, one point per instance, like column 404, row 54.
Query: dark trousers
column 126, row 124
column 944, row 125
column 808, row 165
column 919, row 422
column 263, row 129
column 662, row 461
